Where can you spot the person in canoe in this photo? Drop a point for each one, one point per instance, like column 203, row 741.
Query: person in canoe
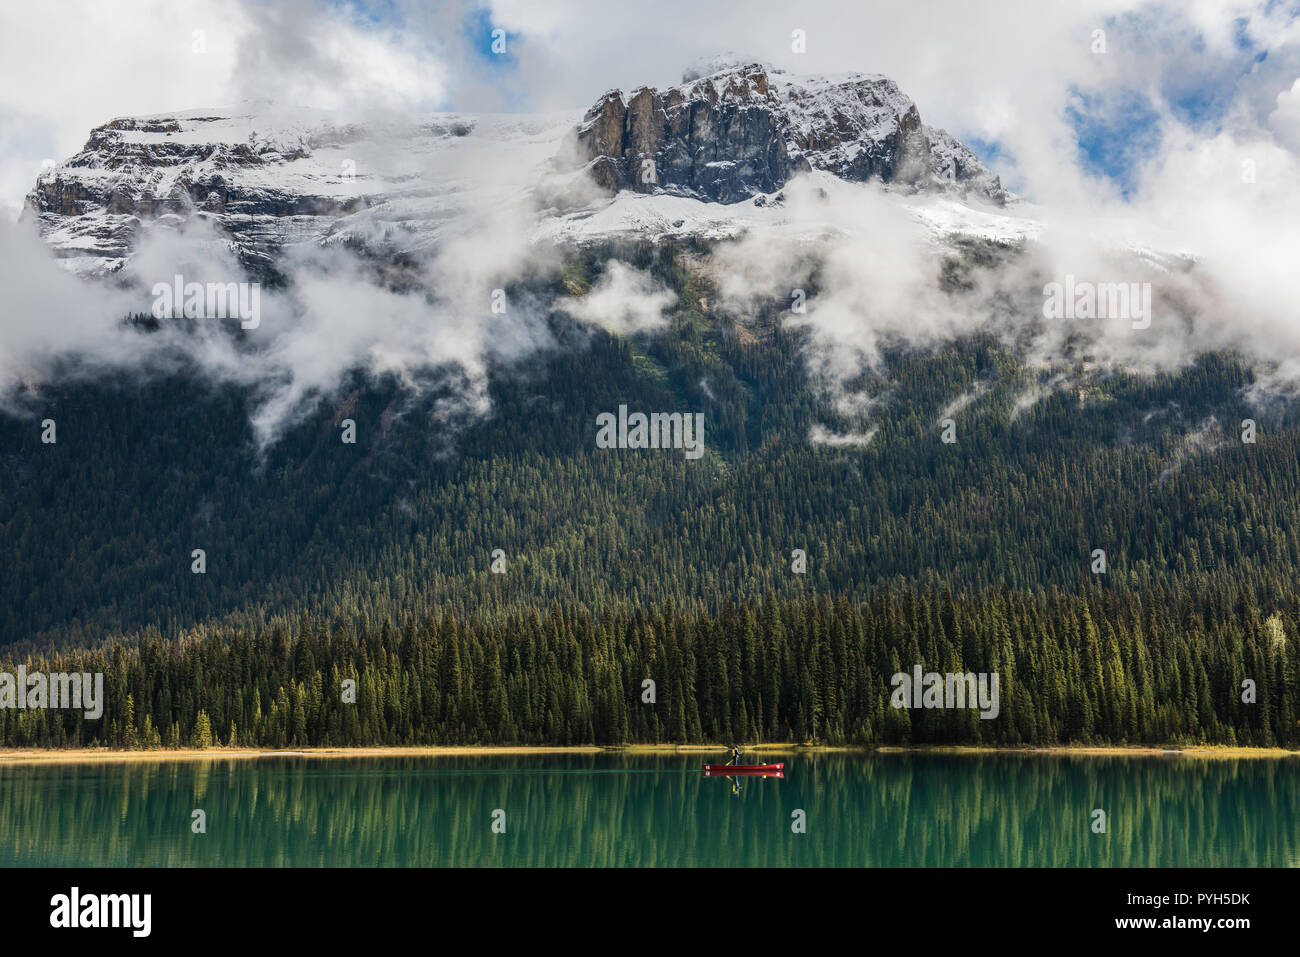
column 735, row 759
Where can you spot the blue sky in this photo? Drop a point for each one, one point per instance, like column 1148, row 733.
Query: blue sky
column 475, row 27
column 1117, row 129
column 1116, row 132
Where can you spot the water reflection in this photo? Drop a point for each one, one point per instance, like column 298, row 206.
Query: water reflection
column 655, row 810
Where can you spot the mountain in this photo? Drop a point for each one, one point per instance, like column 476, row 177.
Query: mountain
column 266, row 179
column 741, row 131
column 905, row 459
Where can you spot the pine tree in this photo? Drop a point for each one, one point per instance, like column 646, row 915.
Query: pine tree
column 201, row 738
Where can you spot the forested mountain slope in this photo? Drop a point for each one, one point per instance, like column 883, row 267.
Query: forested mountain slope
column 907, row 460
column 98, row 529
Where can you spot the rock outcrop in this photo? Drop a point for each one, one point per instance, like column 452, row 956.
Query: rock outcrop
column 747, row 129
column 261, row 179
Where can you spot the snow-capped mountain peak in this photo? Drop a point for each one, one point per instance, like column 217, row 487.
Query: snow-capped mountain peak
column 724, row 142
column 729, row 135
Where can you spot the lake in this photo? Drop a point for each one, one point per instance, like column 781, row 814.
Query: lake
column 652, row 810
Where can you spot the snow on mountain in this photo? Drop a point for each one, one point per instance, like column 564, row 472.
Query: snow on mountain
column 723, row 146
column 268, row 179
column 663, row 215
column 729, row 135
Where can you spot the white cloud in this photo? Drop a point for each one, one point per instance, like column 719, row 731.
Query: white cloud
column 624, row 300
column 1285, row 120
column 97, row 61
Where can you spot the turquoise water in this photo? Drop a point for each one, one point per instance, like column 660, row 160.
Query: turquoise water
column 861, row 810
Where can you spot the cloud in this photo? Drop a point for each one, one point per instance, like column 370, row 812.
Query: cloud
column 866, row 272
column 820, row 435
column 995, row 70
column 1285, row 120
column 624, row 300
column 1209, row 229
column 440, row 321
column 336, row 58
column 960, row 403
column 46, row 308
column 1212, row 172
column 1206, row 437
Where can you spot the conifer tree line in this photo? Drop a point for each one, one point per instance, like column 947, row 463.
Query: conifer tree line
column 1100, row 666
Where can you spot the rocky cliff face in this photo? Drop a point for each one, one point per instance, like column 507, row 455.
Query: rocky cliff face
column 264, row 180
column 746, row 130
column 254, row 187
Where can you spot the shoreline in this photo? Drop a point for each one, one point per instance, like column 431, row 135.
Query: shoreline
column 15, row 756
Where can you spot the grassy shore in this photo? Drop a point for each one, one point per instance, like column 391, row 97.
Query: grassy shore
column 1135, row 750
column 83, row 755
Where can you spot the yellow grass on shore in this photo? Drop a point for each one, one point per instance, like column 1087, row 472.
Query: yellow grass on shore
column 46, row 756
column 1135, row 750
column 98, row 755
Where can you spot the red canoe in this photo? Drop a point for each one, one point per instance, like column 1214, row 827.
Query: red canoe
column 773, row 770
